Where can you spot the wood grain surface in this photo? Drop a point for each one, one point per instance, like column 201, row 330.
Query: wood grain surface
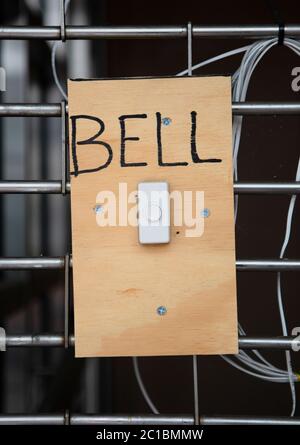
column 119, row 283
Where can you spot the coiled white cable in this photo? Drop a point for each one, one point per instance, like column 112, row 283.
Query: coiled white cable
column 241, row 81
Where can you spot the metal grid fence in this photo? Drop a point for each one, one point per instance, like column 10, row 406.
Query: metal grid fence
column 61, row 187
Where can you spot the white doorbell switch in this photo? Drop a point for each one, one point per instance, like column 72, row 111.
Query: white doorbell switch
column 153, row 212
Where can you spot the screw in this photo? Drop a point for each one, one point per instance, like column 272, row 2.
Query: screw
column 161, row 310
column 98, row 208
column 205, row 213
column 166, row 121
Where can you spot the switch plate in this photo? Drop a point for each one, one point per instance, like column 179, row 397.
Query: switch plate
column 153, row 212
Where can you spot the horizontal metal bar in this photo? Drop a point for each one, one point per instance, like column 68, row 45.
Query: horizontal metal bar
column 50, row 340
column 274, row 188
column 267, row 188
column 32, row 419
column 32, row 263
column 238, row 108
column 268, row 342
column 268, row 265
column 30, row 110
column 31, row 187
column 19, row 263
column 145, row 32
column 140, row 419
column 43, row 340
column 244, row 31
column 249, row 420
column 265, row 108
column 94, row 419
column 150, row 419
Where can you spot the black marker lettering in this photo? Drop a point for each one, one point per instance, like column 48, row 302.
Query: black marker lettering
column 195, row 156
column 132, row 138
column 159, row 146
column 89, row 141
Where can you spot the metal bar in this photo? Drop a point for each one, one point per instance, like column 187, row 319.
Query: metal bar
column 32, row 110
column 244, row 31
column 196, row 389
column 145, row 32
column 238, row 108
column 265, row 108
column 150, row 419
column 67, row 300
column 245, row 188
column 18, row 263
column 248, row 420
column 43, row 340
column 136, row 419
column 64, row 172
column 51, row 340
column 190, row 48
column 94, row 419
column 32, row 263
column 267, row 187
column 269, row 343
column 31, row 419
column 62, row 21
column 268, row 265
column 32, row 187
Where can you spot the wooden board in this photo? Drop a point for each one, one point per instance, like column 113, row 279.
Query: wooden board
column 119, row 283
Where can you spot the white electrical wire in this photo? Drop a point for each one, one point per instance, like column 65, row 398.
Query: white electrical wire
column 53, row 60
column 215, row 59
column 240, row 81
column 142, row 386
column 279, row 294
column 269, row 377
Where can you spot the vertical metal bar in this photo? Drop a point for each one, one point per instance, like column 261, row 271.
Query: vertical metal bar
column 62, row 21
column 67, row 300
column 63, row 149
column 190, row 48
column 195, row 360
column 196, row 390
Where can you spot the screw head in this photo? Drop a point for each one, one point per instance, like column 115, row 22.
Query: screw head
column 161, row 310
column 166, row 121
column 98, row 208
column 205, row 213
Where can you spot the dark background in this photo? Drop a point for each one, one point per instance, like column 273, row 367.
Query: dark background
column 51, row 380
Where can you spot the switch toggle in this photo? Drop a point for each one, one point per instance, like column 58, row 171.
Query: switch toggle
column 153, row 212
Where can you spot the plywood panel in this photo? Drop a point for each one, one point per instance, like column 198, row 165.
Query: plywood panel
column 119, row 283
